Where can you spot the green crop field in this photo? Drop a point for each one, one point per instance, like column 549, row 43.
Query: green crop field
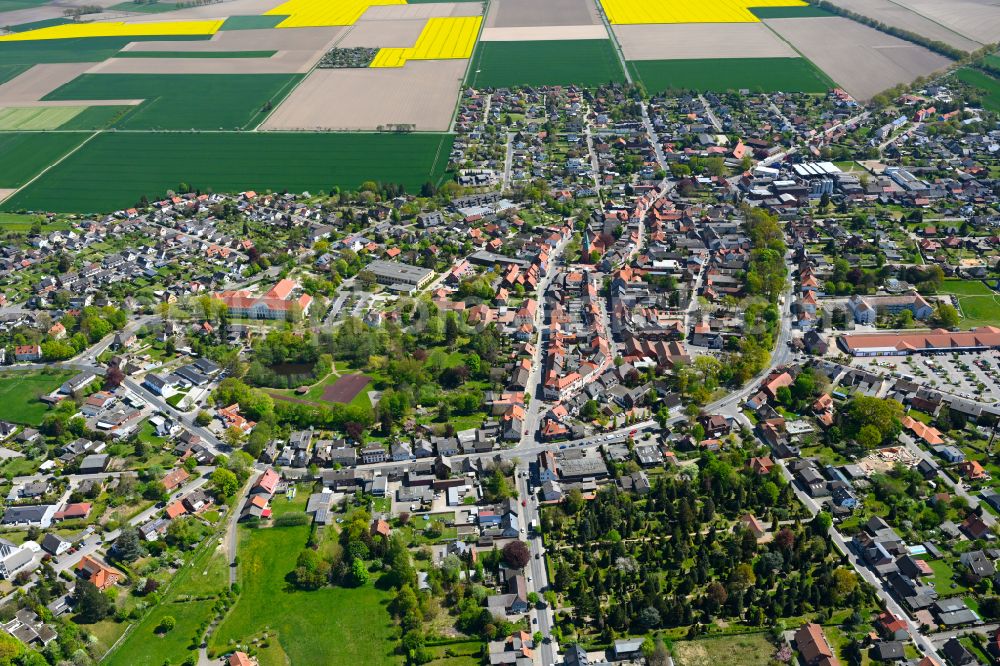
column 38, row 25
column 145, row 7
column 195, row 54
column 115, row 169
column 19, row 394
column 585, row 62
column 25, row 154
column 93, row 49
column 251, row 22
column 722, row 74
column 14, row 118
column 789, row 12
column 96, row 117
column 8, row 72
column 184, row 101
column 11, row 5
column 989, row 86
column 345, row 626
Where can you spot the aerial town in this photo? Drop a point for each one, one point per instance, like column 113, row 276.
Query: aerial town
column 629, row 371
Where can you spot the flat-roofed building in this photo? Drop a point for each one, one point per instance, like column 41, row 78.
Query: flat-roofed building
column 395, row 274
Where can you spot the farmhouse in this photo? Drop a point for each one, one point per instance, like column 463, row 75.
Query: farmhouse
column 278, row 303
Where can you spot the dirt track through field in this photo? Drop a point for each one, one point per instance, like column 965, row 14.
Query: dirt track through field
column 423, row 93
column 700, row 40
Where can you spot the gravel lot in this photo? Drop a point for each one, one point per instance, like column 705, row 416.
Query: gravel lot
column 700, row 40
column 423, row 93
column 861, row 59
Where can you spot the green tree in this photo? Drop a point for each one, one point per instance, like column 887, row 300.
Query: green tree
column 225, row 482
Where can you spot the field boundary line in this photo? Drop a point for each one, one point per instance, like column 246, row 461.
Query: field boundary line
column 53, row 165
column 464, row 81
column 803, row 55
column 329, row 45
column 614, row 40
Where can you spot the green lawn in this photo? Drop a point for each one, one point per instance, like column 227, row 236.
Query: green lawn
column 184, row 101
column 195, row 54
column 979, row 305
column 722, row 74
column 25, row 154
column 19, row 223
column 989, row 86
column 19, row 393
column 115, row 169
column 585, row 62
column 326, row 627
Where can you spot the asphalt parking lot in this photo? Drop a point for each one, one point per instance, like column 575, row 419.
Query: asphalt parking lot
column 971, row 375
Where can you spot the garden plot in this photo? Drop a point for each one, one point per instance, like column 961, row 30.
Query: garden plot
column 861, row 59
column 423, row 93
column 700, row 40
column 976, row 19
column 894, row 14
column 525, row 13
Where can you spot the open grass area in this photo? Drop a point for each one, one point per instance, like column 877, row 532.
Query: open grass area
column 584, row 62
column 184, row 101
column 978, row 304
column 722, row 74
column 989, row 86
column 206, row 575
column 25, row 154
column 114, row 170
column 742, row 650
column 94, row 49
column 19, row 393
column 18, row 223
column 355, row 625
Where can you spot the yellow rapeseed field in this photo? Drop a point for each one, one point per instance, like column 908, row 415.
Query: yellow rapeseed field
column 441, row 39
column 320, row 13
column 116, row 29
column 688, row 11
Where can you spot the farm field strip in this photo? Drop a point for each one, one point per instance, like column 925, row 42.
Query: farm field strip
column 554, row 62
column 722, row 74
column 26, row 154
column 38, row 117
column 543, row 33
column 116, row 29
column 978, row 20
column 688, row 11
column 700, row 40
column 894, row 14
column 313, row 13
column 114, row 170
column 441, row 39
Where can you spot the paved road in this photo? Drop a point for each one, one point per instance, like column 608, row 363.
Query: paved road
column 211, row 442
column 536, row 576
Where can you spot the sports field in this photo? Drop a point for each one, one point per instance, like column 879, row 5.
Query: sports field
column 688, row 11
column 184, row 101
column 722, row 74
column 25, row 154
column 586, row 62
column 978, row 304
column 115, row 169
column 989, row 86
column 19, row 394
